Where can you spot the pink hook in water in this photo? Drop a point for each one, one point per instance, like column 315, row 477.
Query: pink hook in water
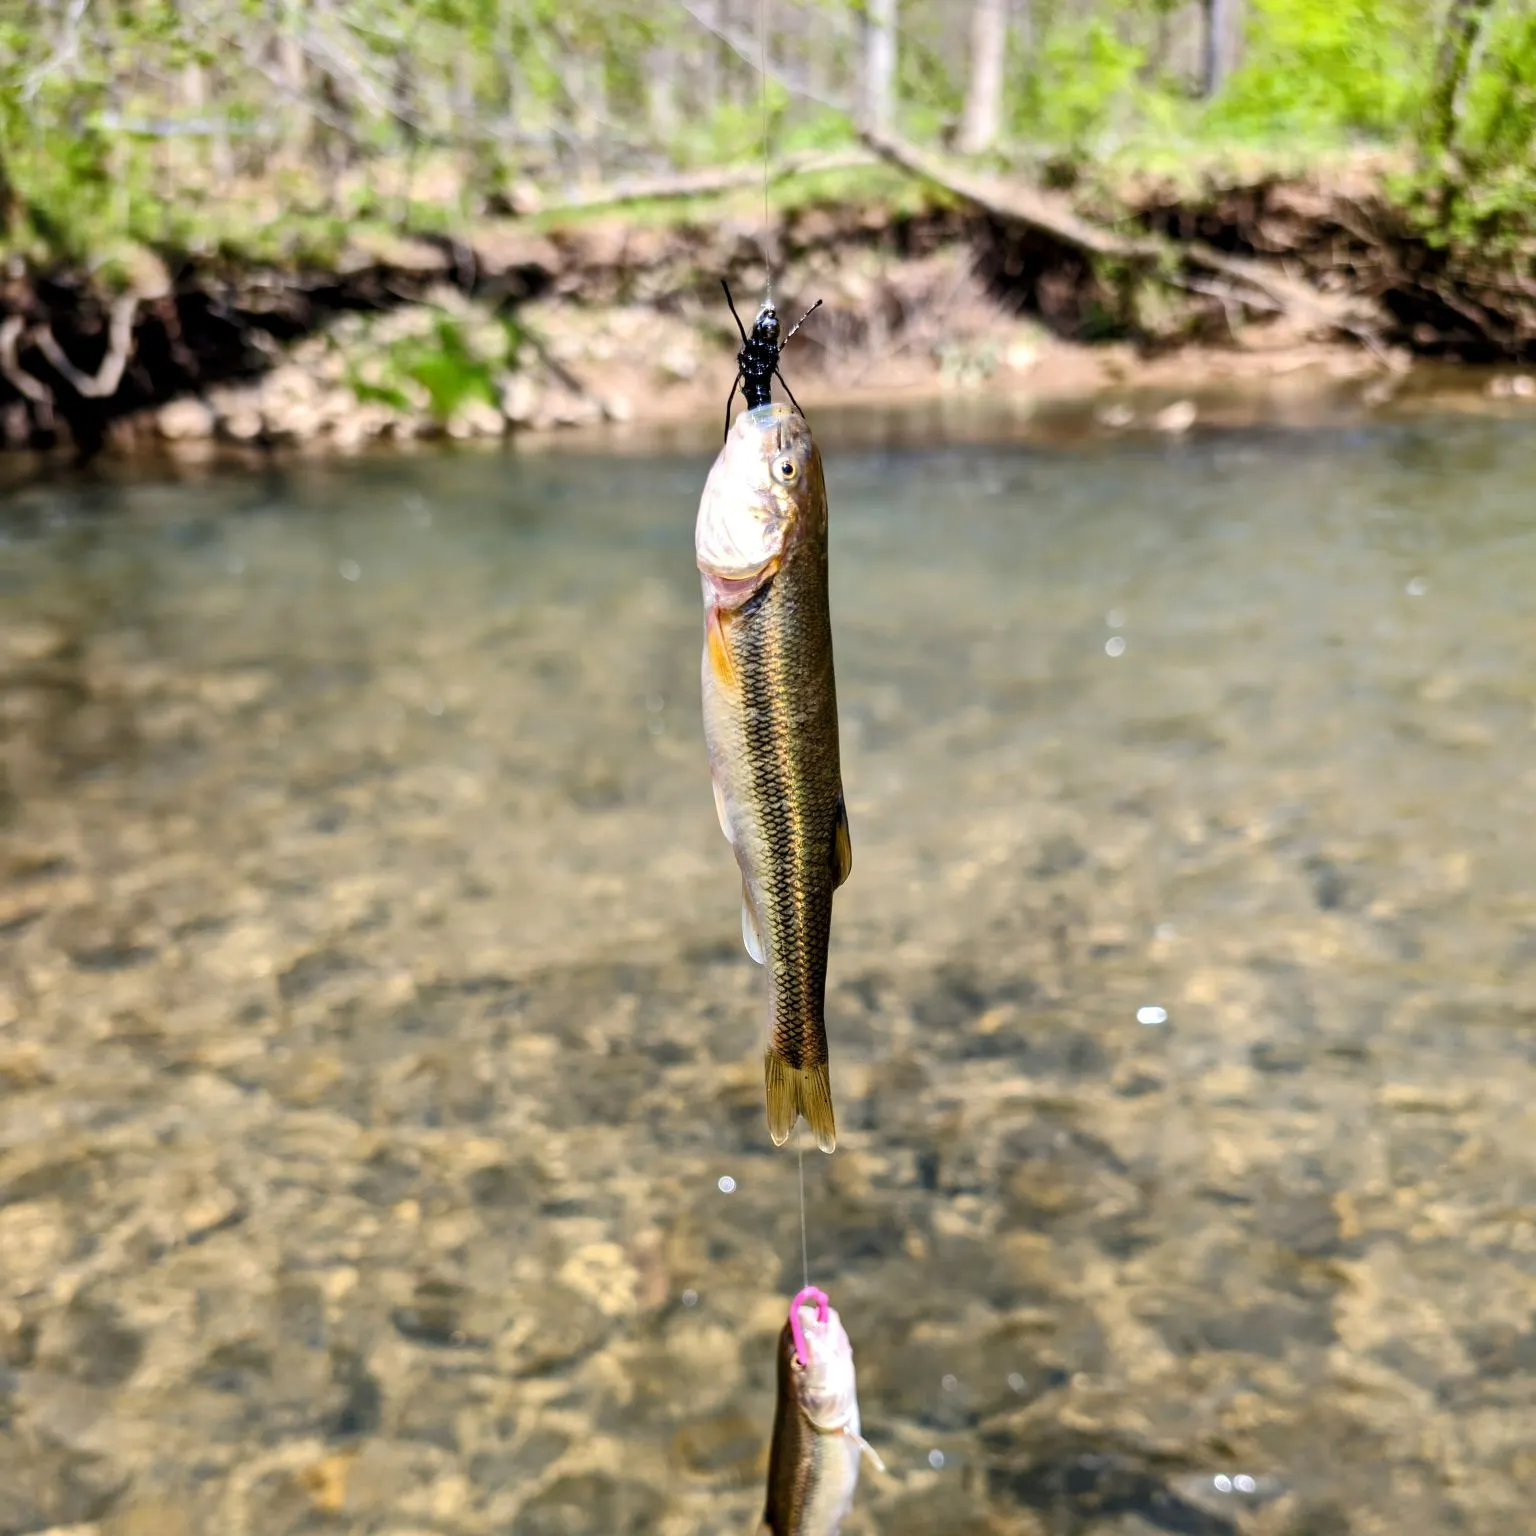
column 797, row 1328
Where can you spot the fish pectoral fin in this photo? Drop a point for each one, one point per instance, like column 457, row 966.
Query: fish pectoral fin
column 717, row 650
column 751, row 929
column 842, row 845
column 866, row 1449
column 725, row 821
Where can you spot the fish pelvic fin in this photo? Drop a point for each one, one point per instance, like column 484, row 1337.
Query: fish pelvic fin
column 842, row 846
column 867, row 1451
column 751, row 929
column 720, row 810
column 796, row 1091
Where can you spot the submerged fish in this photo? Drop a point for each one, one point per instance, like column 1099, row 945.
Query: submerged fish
column 770, row 718
column 813, row 1467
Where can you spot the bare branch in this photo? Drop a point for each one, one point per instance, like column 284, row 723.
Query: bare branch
column 66, row 53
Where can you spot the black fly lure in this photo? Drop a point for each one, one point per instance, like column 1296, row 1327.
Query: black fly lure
column 757, row 364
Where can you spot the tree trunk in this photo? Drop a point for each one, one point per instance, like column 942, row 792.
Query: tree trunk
column 585, row 81
column 1220, row 26
column 880, row 64
column 292, row 67
column 984, row 99
column 661, row 93
column 10, row 203
column 1024, row 28
column 1463, row 23
column 504, row 51
column 709, row 62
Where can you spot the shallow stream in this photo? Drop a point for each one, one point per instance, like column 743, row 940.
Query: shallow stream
column 381, row 1136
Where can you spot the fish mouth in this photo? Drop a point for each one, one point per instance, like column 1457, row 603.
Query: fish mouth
column 797, row 1325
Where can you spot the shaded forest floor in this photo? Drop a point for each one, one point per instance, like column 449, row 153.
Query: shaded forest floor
column 563, row 317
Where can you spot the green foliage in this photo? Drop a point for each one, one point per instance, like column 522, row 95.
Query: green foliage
column 1498, row 125
column 1473, row 191
column 279, row 130
column 457, row 360
column 1350, row 66
column 448, row 370
column 733, row 131
column 812, row 128
column 1086, row 80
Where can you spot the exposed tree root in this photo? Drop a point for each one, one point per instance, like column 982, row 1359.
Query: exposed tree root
column 1166, row 268
column 1253, row 284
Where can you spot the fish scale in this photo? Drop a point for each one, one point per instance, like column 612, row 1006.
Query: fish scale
column 770, row 712
column 800, row 817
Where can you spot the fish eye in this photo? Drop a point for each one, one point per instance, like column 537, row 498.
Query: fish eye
column 786, row 471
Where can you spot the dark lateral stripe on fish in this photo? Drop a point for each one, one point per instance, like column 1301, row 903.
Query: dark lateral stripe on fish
column 792, row 1460
column 799, row 913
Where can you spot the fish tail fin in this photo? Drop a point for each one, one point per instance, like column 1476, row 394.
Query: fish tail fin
column 794, row 1091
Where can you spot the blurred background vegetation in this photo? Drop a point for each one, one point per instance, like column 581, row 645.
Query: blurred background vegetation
column 270, row 127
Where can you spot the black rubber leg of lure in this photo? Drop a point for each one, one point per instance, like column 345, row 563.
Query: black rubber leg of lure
column 728, row 399
column 788, row 391
column 734, row 316
column 798, row 323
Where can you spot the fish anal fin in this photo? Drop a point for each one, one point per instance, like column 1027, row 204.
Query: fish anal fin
column 795, row 1091
column 751, row 932
column 842, row 845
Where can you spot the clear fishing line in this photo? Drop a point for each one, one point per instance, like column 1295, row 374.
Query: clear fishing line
column 765, row 245
column 762, row 45
column 805, row 1252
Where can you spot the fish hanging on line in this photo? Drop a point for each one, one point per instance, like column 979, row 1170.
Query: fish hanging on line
column 813, row 1466
column 770, row 721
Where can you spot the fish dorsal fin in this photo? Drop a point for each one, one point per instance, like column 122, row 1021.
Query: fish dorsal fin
column 842, row 845
column 751, row 931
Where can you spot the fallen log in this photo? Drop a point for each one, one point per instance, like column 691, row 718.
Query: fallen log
column 1256, row 284
column 704, row 183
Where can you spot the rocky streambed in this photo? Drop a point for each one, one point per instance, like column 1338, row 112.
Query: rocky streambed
column 381, row 1142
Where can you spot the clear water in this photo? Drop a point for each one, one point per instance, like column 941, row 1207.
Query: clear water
column 375, row 1034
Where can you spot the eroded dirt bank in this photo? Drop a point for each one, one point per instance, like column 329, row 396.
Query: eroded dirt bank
column 536, row 325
